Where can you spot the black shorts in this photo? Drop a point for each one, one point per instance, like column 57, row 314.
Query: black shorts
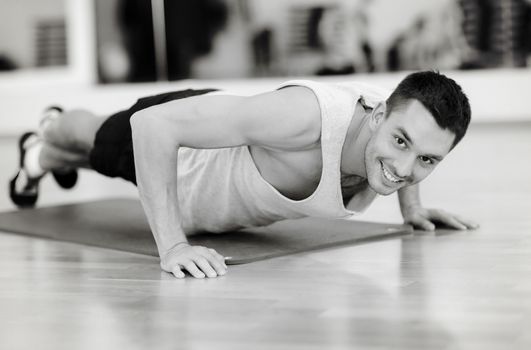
column 112, row 154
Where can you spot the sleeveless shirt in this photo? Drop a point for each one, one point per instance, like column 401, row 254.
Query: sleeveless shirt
column 222, row 190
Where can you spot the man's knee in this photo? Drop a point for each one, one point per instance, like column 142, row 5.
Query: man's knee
column 73, row 130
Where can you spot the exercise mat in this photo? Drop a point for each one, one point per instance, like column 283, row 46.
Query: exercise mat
column 121, row 224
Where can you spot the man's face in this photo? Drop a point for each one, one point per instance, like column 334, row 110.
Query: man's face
column 404, row 148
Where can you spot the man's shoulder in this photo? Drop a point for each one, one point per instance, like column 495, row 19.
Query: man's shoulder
column 296, row 110
column 286, row 118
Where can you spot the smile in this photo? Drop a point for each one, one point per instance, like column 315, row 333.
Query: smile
column 388, row 175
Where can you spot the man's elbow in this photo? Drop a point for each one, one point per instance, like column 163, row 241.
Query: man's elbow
column 147, row 128
column 143, row 123
column 138, row 120
column 143, row 127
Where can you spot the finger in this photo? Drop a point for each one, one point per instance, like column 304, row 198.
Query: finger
column 205, row 266
column 426, row 225
column 218, row 256
column 217, row 262
column 194, row 271
column 214, row 258
column 448, row 220
column 177, row 272
column 422, row 224
column 468, row 223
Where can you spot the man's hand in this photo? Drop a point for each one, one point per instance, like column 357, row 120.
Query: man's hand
column 426, row 219
column 198, row 261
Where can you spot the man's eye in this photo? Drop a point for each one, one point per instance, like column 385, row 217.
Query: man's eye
column 426, row 160
column 399, row 141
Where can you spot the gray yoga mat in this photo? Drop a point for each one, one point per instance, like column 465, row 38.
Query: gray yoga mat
column 121, row 224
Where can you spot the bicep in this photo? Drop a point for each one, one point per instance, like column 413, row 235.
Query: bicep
column 286, row 118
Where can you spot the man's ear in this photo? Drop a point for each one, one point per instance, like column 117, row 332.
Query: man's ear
column 377, row 116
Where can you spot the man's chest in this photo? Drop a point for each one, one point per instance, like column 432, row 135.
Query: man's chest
column 297, row 174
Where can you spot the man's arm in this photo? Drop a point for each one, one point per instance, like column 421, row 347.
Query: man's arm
column 284, row 119
column 155, row 152
column 423, row 218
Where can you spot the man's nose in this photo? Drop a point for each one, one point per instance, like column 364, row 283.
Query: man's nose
column 404, row 166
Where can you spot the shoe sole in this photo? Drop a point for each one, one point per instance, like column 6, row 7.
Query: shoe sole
column 22, row 200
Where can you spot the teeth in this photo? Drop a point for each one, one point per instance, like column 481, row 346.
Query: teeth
column 389, row 176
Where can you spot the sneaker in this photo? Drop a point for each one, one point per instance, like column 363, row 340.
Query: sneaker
column 23, row 190
column 65, row 178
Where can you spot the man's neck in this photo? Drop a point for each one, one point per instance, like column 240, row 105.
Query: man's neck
column 358, row 135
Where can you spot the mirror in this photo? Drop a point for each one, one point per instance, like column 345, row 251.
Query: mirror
column 149, row 40
column 32, row 34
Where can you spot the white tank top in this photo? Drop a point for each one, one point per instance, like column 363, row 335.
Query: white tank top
column 222, row 190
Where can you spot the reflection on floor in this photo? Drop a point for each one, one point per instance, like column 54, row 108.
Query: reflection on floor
column 460, row 290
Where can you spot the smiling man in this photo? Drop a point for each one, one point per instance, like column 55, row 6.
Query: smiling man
column 208, row 161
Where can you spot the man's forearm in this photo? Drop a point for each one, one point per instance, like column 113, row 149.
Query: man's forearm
column 409, row 197
column 156, row 171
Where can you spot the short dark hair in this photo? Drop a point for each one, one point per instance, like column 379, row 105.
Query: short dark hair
column 440, row 95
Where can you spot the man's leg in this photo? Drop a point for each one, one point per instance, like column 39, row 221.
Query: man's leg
column 62, row 144
column 102, row 144
column 78, row 138
column 68, row 139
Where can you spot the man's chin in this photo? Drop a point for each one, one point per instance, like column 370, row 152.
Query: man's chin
column 387, row 192
column 382, row 189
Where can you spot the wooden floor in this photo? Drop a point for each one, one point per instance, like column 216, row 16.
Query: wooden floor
column 443, row 290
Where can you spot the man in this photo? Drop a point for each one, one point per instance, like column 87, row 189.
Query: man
column 204, row 161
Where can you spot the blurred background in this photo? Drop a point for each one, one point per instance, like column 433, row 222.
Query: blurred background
column 139, row 40
column 149, row 40
column 69, row 51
